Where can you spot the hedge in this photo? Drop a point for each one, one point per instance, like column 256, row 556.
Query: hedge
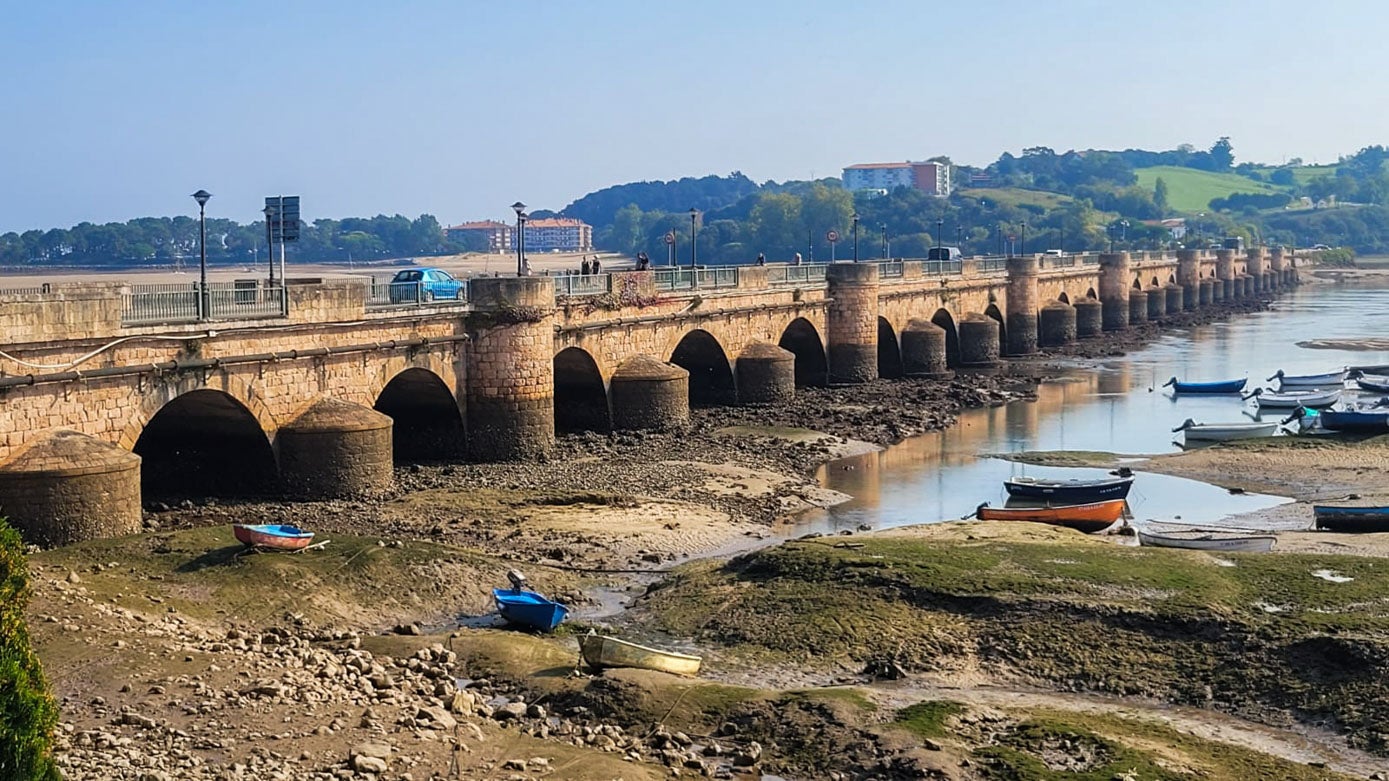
column 27, row 710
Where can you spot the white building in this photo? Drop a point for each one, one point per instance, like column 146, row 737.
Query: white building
column 930, row 178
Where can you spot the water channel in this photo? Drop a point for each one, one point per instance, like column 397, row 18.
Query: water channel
column 1118, row 407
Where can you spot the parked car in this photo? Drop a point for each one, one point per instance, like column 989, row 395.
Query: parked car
column 417, row 285
column 944, row 253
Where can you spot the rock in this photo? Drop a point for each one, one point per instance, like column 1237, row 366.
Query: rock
column 374, row 750
column 365, row 764
column 463, row 702
column 535, row 712
column 509, row 711
column 408, row 629
column 73, row 577
column 136, row 720
column 749, row 756
column 514, row 764
column 930, row 745
column 436, row 716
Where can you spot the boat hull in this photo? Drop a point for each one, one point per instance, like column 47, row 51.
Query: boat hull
column 1088, row 518
column 527, row 608
column 600, row 651
column 1244, row 543
column 1373, row 383
column 1218, row 433
column 1227, row 386
column 1352, row 520
column 1366, row 422
column 272, row 536
column 1069, row 491
column 1332, row 380
column 1294, row 400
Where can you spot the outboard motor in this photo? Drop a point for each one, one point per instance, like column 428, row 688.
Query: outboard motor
column 518, row 579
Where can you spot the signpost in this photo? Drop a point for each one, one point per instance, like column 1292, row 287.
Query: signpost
column 282, row 222
column 832, row 236
column 670, row 247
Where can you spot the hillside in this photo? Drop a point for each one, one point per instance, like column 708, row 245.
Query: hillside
column 1190, row 190
column 1018, row 197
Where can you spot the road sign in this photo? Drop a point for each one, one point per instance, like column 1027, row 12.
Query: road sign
column 832, row 236
column 670, row 237
column 284, row 218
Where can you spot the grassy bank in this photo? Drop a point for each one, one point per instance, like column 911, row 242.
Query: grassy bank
column 1259, row 636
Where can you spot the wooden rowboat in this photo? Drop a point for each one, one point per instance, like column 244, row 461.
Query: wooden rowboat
column 1088, row 518
column 1225, row 432
column 1295, row 399
column 1357, row 420
column 601, row 651
column 272, row 536
column 1068, row 491
column 1221, row 386
column 1375, row 383
column 1329, row 380
column 1359, row 520
column 1228, row 543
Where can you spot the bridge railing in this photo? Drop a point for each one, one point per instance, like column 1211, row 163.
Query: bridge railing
column 189, row 302
column 890, row 268
column 583, row 284
column 796, row 275
column 25, row 291
column 939, row 268
column 385, row 294
column 684, row 279
column 991, row 264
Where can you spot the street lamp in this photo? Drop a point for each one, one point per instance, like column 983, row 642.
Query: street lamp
column 269, row 212
column 201, row 197
column 1022, row 245
column 959, row 235
column 883, row 228
column 939, row 227
column 854, row 218
column 694, row 217
column 520, row 209
column 1124, row 233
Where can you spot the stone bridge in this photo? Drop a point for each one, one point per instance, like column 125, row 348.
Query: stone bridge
column 319, row 396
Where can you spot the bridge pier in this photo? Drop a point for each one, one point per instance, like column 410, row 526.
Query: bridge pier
column 1089, row 318
column 649, row 395
column 1114, row 290
column 979, row 348
column 1057, row 324
column 1176, row 298
column 766, row 374
column 511, row 387
column 1255, row 264
column 1022, row 305
column 924, row 353
column 1189, row 277
column 1157, row 303
column 68, row 487
column 336, row 449
column 1225, row 274
column 852, row 322
column 1277, row 267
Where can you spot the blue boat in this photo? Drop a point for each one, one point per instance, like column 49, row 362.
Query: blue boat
column 1351, row 519
column 1355, row 420
column 1224, row 386
column 1069, row 491
column 528, row 608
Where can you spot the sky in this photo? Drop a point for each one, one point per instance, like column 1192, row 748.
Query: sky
column 110, row 111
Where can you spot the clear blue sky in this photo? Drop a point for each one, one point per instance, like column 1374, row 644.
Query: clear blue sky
column 120, row 110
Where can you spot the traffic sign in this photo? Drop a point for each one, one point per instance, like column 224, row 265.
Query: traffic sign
column 284, row 217
column 670, row 237
column 832, row 236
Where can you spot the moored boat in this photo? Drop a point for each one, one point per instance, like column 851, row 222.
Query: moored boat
column 1225, row 432
column 1363, row 421
column 1356, row 520
column 1220, row 386
column 1073, row 491
column 1295, row 399
column 272, row 536
column 528, row 608
column 1375, row 383
column 1329, row 380
column 1089, row 518
column 601, row 651
column 1226, row 543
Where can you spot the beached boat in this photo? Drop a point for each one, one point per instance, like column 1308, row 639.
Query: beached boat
column 1357, row 420
column 1222, row 386
column 528, row 608
column 273, row 536
column 1330, row 380
column 1225, row 543
column 1225, row 432
column 1069, row 491
column 1375, row 383
column 1358, row 520
column 601, row 651
column 1294, row 399
column 1088, row 518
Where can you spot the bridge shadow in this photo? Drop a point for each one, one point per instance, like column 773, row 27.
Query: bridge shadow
column 217, row 557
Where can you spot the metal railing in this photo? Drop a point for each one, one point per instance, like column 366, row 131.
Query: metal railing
column 708, row 278
column 182, row 303
column 25, row 291
column 1090, row 260
column 796, row 275
column 938, row 268
column 890, row 268
column 583, row 284
column 384, row 294
column 718, row 276
column 987, row 265
column 1058, row 261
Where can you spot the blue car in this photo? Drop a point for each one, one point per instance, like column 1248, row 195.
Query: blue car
column 419, row 285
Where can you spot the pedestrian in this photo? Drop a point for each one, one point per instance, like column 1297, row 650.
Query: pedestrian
column 761, row 259
column 584, row 267
column 597, row 267
column 798, row 259
column 525, row 267
column 643, row 262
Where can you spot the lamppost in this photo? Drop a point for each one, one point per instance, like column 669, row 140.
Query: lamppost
column 269, row 212
column 1124, row 233
column 1022, row 245
column 940, row 223
column 959, row 235
column 694, row 220
column 854, row 218
column 201, row 197
column 883, row 227
column 520, row 209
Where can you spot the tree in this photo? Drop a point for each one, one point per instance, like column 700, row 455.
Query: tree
column 775, row 224
column 27, row 711
column 1160, row 194
column 1222, row 154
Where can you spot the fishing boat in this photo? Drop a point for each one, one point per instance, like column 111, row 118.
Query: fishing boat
column 272, row 536
column 1375, row 383
column 1294, row 399
column 1225, row 432
column 1359, row 520
column 1330, row 380
column 1225, row 543
column 1069, row 491
column 527, row 608
column 601, row 651
column 1356, row 420
column 1088, row 518
column 1222, row 386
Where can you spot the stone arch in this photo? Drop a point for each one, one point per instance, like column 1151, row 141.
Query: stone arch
column 1090, row 294
column 203, row 443
column 711, row 374
column 943, row 319
column 1171, row 279
column 581, row 399
column 889, row 350
column 993, row 311
column 803, row 341
column 1063, row 298
column 170, row 387
column 1155, row 283
column 396, row 364
column 1137, row 283
column 428, row 421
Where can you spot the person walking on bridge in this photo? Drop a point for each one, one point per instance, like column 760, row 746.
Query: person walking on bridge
column 585, row 268
column 597, row 267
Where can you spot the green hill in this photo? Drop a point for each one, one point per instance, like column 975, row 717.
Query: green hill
column 1018, row 196
column 1190, row 190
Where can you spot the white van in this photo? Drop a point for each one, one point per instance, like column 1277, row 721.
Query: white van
column 944, row 253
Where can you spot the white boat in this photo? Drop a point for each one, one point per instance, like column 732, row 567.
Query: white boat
column 1331, row 380
column 1227, row 543
column 601, row 651
column 1295, row 399
column 1225, row 432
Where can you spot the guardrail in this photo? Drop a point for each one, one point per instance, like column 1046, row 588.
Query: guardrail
column 1058, row 261
column 890, row 268
column 25, row 291
column 583, row 284
column 796, row 275
column 184, row 303
column 384, row 294
column 940, row 268
column 986, row 265
column 708, row 278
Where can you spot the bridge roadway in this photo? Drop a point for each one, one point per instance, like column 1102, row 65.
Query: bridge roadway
column 319, row 395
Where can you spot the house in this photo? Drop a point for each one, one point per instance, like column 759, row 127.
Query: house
column 930, row 178
column 565, row 234
column 483, row 235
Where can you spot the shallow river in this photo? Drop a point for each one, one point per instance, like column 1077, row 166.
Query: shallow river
column 1118, row 408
